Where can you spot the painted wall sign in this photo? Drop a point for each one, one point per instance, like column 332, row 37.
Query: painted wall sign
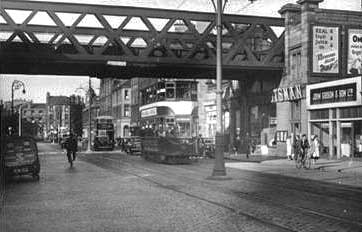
column 354, row 63
column 287, row 94
column 325, row 49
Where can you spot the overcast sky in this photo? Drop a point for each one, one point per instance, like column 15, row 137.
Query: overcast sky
column 37, row 86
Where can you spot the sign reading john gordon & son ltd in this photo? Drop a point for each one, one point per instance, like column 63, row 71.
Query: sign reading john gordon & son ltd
column 334, row 94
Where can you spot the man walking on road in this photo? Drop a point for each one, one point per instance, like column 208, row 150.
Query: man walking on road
column 71, row 147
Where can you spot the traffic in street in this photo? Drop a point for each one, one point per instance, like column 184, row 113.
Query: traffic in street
column 113, row 191
column 162, row 116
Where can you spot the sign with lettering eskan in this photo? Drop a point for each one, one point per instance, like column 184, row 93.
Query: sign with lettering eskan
column 325, row 49
column 287, row 94
column 354, row 64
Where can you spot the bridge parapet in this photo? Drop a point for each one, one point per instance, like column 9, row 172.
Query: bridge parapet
column 62, row 32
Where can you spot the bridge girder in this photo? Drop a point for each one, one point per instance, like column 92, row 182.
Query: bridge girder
column 162, row 40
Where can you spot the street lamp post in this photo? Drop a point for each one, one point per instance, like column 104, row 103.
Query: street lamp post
column 15, row 86
column 89, row 115
column 89, row 92
column 219, row 170
column 20, row 116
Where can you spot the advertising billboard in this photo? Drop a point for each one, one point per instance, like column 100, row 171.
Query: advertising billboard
column 325, row 49
column 354, row 63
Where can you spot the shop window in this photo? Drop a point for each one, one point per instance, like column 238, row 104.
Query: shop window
column 351, row 112
column 126, row 110
column 319, row 114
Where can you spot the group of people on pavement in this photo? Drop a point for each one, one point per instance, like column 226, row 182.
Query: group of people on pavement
column 299, row 146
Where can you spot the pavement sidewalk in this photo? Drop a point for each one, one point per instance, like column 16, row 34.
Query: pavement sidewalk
column 347, row 172
column 252, row 158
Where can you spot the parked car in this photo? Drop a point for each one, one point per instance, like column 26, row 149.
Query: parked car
column 20, row 156
column 133, row 145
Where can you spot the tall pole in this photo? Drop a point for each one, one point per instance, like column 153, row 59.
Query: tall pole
column 89, row 115
column 12, row 99
column 20, row 116
column 219, row 166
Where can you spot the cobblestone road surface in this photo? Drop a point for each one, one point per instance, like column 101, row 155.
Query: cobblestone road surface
column 116, row 192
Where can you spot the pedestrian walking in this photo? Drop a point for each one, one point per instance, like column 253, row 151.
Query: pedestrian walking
column 71, row 145
column 289, row 147
column 248, row 144
column 304, row 146
column 316, row 148
column 296, row 147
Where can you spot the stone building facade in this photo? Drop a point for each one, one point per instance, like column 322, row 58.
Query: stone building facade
column 121, row 107
column 57, row 116
column 316, row 51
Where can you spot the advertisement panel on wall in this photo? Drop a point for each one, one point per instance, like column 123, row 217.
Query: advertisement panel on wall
column 325, row 49
column 354, row 64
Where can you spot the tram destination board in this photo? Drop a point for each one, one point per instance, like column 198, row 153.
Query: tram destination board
column 334, row 94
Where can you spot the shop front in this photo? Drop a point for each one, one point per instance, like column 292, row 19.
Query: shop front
column 335, row 116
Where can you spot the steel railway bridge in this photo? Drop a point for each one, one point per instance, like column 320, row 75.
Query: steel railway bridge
column 124, row 42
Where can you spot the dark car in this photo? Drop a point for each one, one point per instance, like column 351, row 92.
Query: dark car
column 133, row 145
column 20, row 156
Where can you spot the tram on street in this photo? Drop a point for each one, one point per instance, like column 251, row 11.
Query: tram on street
column 168, row 121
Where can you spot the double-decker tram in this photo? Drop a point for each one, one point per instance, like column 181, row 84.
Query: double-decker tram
column 167, row 121
column 104, row 133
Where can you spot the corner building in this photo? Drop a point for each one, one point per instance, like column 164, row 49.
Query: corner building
column 320, row 91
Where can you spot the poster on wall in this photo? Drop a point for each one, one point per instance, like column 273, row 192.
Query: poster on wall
column 354, row 64
column 325, row 49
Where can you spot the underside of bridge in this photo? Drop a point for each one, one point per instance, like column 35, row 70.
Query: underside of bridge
column 100, row 70
column 124, row 42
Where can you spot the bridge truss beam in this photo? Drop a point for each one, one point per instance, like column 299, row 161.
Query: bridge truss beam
column 49, row 34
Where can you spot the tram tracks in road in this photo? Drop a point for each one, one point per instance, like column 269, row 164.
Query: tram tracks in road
column 272, row 201
column 134, row 169
column 147, row 178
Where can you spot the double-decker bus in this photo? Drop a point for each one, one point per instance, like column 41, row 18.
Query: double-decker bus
column 104, row 133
